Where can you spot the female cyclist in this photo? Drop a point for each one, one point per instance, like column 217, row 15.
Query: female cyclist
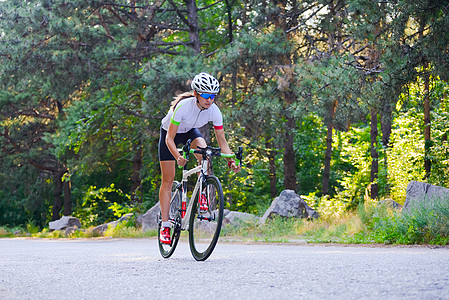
column 188, row 112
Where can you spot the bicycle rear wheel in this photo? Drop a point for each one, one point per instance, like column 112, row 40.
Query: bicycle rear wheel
column 205, row 224
column 175, row 220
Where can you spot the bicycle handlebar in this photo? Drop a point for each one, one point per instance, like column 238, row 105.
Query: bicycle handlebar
column 212, row 152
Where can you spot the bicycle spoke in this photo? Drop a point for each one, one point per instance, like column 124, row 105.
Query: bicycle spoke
column 175, row 220
column 205, row 224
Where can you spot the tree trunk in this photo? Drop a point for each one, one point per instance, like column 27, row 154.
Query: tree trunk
column 374, row 155
column 205, row 132
column 234, row 86
column 229, row 13
column 272, row 168
column 328, row 155
column 67, row 186
column 136, row 195
column 331, row 42
column 58, row 171
column 385, row 126
column 289, row 157
column 427, row 137
column 57, row 195
column 194, row 31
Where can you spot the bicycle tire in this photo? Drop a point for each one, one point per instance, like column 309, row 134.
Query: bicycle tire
column 175, row 219
column 205, row 225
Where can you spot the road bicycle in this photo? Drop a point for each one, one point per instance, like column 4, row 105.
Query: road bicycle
column 202, row 214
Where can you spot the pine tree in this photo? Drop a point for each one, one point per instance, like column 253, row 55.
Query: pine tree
column 58, row 53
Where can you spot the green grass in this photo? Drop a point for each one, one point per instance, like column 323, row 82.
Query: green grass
column 280, row 229
column 371, row 223
column 6, row 232
column 423, row 224
column 122, row 230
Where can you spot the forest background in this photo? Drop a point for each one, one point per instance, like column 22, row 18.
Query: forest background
column 339, row 100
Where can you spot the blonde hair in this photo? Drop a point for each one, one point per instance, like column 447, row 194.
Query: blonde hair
column 179, row 98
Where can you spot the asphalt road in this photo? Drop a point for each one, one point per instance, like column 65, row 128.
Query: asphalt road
column 134, row 269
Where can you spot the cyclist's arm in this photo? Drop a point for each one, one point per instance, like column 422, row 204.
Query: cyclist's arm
column 170, row 141
column 223, row 144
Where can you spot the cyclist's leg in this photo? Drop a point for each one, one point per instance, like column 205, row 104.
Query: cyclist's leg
column 198, row 142
column 168, row 175
column 168, row 164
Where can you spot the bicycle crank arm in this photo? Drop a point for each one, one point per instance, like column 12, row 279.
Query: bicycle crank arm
column 205, row 218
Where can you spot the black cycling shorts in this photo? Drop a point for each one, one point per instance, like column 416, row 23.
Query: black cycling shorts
column 180, row 138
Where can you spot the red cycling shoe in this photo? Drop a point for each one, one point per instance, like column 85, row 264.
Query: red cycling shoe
column 164, row 235
column 203, row 202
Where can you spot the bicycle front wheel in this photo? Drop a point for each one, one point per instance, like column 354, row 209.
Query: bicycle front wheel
column 175, row 221
column 206, row 218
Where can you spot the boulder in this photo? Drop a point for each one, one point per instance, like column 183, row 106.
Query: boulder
column 100, row 229
column 70, row 230
column 420, row 193
column 125, row 217
column 390, row 203
column 64, row 223
column 148, row 221
column 205, row 226
column 236, row 218
column 289, row 204
column 230, row 218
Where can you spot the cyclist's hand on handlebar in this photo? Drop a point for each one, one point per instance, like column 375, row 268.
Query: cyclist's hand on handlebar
column 235, row 168
column 181, row 161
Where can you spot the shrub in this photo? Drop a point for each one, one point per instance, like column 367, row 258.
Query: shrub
column 423, row 224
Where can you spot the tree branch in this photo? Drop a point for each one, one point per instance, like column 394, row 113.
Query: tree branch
column 112, row 10
column 105, row 26
column 162, row 26
column 11, row 141
column 34, row 113
column 43, row 167
column 210, row 5
column 180, row 14
column 133, row 6
column 311, row 16
column 137, row 114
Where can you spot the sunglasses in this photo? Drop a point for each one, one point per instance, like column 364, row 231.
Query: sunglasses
column 207, row 96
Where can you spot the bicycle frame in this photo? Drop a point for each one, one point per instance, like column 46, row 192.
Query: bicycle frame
column 209, row 191
column 185, row 175
column 202, row 168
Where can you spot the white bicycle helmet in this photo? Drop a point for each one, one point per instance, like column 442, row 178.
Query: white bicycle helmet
column 205, row 83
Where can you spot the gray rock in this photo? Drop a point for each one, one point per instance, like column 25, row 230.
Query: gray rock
column 230, row 218
column 148, row 220
column 390, row 203
column 100, row 229
column 64, row 222
column 70, row 230
column 310, row 212
column 125, row 217
column 289, row 204
column 420, row 193
column 235, row 218
column 205, row 226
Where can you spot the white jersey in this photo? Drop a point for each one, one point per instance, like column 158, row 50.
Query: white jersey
column 188, row 115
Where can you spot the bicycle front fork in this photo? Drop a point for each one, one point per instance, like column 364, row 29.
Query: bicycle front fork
column 183, row 208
